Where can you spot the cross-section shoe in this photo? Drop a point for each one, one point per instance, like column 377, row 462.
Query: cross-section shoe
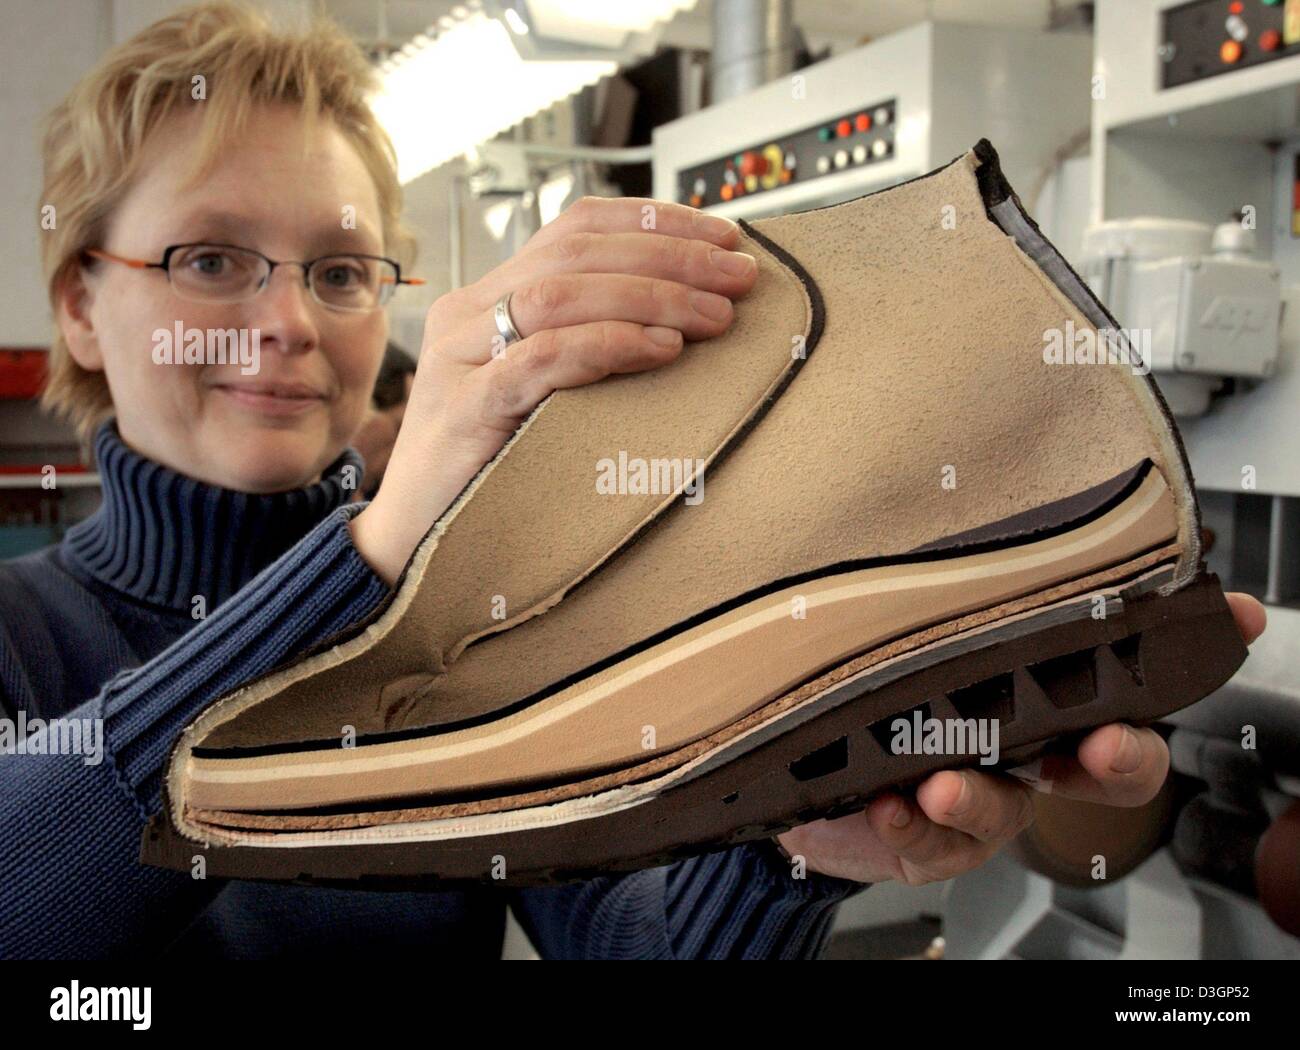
column 920, row 507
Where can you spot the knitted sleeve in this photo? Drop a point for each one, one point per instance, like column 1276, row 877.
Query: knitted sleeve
column 70, row 824
column 739, row 903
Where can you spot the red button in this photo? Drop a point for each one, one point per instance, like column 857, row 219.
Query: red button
column 747, row 162
column 844, row 129
column 1236, row 7
column 1270, row 40
column 863, row 122
column 1230, row 52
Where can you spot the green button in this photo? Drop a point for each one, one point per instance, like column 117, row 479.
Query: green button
column 824, row 134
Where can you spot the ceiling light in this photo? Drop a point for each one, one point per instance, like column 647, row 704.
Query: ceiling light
column 467, row 79
column 466, row 87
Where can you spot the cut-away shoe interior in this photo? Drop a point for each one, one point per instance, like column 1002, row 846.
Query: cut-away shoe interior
column 897, row 505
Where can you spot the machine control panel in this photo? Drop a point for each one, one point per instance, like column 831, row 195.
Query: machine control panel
column 1206, row 38
column 864, row 136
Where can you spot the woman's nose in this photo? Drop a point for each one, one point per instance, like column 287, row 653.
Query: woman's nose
column 284, row 312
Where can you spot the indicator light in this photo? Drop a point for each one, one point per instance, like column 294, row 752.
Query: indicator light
column 1230, row 52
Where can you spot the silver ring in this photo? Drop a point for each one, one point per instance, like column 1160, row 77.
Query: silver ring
column 504, row 322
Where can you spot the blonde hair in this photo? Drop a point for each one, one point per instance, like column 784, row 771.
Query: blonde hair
column 94, row 139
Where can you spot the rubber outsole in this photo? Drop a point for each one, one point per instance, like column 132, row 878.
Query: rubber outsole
column 1044, row 678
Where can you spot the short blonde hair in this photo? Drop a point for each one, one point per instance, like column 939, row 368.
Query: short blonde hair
column 95, row 137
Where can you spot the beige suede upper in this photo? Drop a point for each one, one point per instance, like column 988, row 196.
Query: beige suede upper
column 930, row 368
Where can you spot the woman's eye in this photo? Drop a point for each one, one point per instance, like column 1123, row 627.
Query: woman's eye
column 342, row 276
column 210, row 264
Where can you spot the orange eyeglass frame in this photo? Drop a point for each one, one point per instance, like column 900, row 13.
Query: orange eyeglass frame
column 164, row 264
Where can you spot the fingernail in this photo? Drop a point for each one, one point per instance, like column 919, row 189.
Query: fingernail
column 737, row 264
column 963, row 798
column 714, row 307
column 663, row 336
column 1129, row 755
column 716, row 227
column 902, row 815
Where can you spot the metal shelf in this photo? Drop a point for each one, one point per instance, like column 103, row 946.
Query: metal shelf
column 33, row 481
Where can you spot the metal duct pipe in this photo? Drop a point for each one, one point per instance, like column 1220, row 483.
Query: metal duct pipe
column 753, row 43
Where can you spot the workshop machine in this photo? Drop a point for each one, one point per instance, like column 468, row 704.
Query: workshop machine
column 894, row 109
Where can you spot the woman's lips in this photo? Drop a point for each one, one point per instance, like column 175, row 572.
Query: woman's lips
column 273, row 400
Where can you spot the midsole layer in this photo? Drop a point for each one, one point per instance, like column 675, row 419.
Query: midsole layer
column 691, row 685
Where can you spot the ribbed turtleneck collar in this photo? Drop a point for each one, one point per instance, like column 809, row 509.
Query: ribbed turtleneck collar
column 165, row 538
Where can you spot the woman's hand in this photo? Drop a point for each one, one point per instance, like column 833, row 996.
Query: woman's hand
column 611, row 286
column 960, row 819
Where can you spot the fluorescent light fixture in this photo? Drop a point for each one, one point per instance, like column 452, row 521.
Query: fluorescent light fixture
column 603, row 23
column 463, row 81
column 467, row 86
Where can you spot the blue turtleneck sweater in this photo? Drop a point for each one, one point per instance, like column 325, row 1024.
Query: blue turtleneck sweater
column 107, row 625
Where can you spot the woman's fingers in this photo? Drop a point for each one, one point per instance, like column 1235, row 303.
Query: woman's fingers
column 1249, row 614
column 987, row 807
column 637, row 215
column 612, row 241
column 956, row 822
column 567, row 300
column 502, row 393
column 691, row 261
column 1116, row 764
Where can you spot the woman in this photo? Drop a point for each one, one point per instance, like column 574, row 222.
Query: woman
column 227, row 544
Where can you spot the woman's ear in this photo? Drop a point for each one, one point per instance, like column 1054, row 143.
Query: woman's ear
column 74, row 298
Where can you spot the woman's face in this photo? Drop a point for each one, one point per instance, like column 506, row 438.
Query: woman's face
column 278, row 427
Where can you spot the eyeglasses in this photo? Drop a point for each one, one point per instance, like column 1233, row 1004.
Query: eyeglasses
column 222, row 273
